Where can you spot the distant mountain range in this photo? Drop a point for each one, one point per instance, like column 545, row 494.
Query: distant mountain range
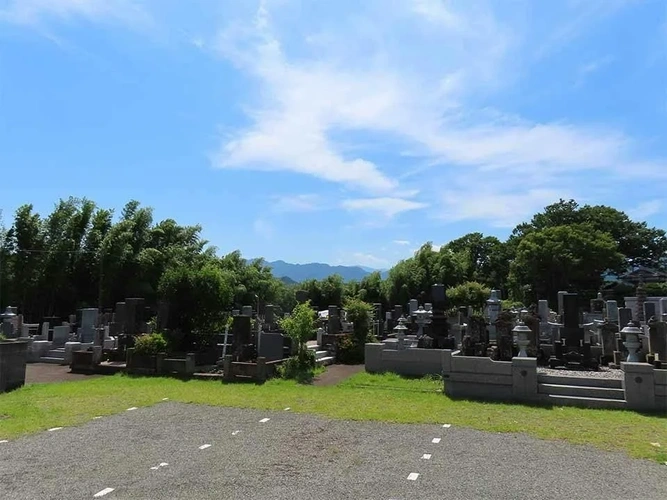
column 295, row 273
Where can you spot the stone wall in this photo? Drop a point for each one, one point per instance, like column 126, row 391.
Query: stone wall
column 13, row 357
column 412, row 362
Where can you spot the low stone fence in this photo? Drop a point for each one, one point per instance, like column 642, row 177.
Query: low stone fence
column 13, row 355
column 484, row 378
column 159, row 364
column 412, row 362
column 258, row 372
column 645, row 387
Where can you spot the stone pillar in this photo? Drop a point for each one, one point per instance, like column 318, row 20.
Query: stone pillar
column 560, row 304
column 639, row 386
column 261, row 369
column 612, row 311
column 524, row 379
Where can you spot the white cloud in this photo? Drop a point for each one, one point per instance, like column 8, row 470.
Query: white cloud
column 401, row 242
column 646, row 209
column 386, row 207
column 297, row 203
column 365, row 260
column 34, row 12
column 503, row 210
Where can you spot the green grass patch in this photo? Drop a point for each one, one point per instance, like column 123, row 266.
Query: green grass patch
column 386, row 398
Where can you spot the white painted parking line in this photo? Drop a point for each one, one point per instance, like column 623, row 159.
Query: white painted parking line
column 54, row 429
column 413, row 476
column 96, row 418
column 447, row 426
column 204, row 446
column 435, row 440
column 288, row 408
column 235, row 433
column 264, row 420
column 133, row 408
column 162, row 464
column 426, row 456
column 105, row 491
column 165, row 399
column 4, row 441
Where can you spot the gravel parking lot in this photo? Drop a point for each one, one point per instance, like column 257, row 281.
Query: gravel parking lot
column 161, row 452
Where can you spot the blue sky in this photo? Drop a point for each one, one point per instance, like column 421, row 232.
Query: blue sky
column 344, row 132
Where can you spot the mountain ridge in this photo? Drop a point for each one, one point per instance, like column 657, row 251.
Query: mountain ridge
column 319, row 271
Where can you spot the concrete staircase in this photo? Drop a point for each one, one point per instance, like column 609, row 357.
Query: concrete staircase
column 323, row 358
column 579, row 391
column 54, row 356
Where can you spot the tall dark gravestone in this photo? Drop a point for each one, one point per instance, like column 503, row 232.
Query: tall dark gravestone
column 439, row 327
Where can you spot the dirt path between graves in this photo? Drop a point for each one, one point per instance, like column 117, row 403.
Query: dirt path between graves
column 42, row 373
column 337, row 373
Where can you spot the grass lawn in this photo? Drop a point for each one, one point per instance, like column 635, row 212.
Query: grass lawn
column 387, row 398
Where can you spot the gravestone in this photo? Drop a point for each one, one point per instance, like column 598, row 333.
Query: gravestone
column 398, row 312
column 609, row 333
column 493, row 307
column 560, row 304
column 60, row 335
column 624, row 316
column 246, row 311
column 439, row 327
column 597, row 304
column 120, row 316
column 89, row 318
column 333, row 322
column 612, row 311
column 649, row 310
column 271, row 346
column 242, row 337
column 133, row 315
column 658, row 339
column 504, row 336
column 663, row 308
column 413, row 305
column 532, row 322
column 573, row 351
column 269, row 317
column 641, row 300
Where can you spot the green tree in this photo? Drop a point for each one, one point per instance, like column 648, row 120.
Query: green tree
column 299, row 325
column 561, row 258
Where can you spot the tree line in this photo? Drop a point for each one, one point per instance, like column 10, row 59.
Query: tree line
column 82, row 255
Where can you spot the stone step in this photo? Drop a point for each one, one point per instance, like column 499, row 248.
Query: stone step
column 609, row 383
column 51, row 360
column 321, row 354
column 56, row 353
column 560, row 400
column 326, row 361
column 581, row 391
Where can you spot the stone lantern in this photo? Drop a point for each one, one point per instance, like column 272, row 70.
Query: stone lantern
column 422, row 317
column 400, row 331
column 8, row 314
column 632, row 343
column 522, row 333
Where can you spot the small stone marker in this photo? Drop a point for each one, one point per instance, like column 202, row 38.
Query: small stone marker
column 204, row 446
column 413, row 476
column 264, row 420
column 165, row 399
column 105, row 491
column 435, row 440
column 426, row 456
column 55, row 429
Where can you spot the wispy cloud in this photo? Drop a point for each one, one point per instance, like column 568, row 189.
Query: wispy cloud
column 646, row 209
column 401, row 242
column 386, row 207
column 298, row 203
column 587, row 69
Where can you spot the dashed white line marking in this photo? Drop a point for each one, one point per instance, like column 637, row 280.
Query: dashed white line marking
column 426, row 456
column 54, row 429
column 133, row 408
column 413, row 476
column 264, row 420
column 162, row 464
column 165, row 399
column 204, row 446
column 288, row 408
column 4, row 441
column 447, row 426
column 235, row 433
column 435, row 440
column 155, row 468
column 96, row 418
column 105, row 491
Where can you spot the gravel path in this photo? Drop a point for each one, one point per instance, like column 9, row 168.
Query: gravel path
column 293, row 456
column 604, row 372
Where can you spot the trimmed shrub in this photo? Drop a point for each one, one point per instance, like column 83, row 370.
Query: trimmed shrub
column 150, row 345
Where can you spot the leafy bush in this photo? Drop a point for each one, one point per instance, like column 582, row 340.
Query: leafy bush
column 469, row 293
column 2, row 337
column 150, row 345
column 299, row 325
column 349, row 351
column 510, row 304
column 300, row 367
